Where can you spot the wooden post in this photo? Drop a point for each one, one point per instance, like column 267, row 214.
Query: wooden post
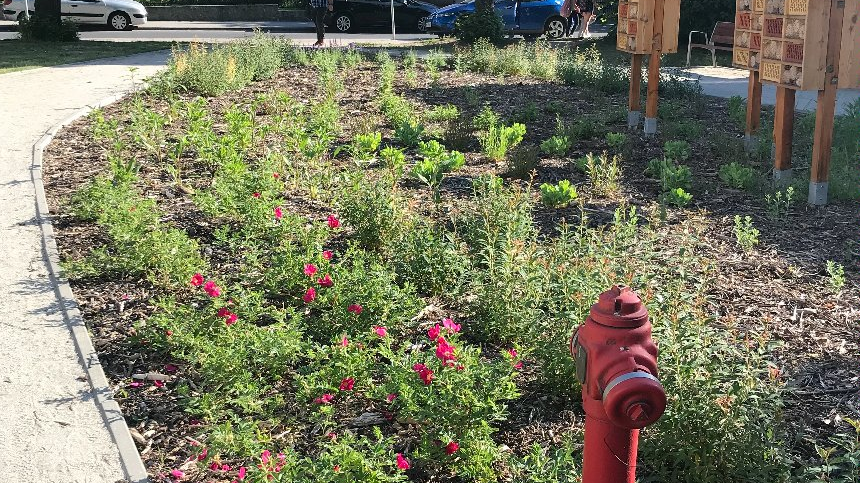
column 753, row 108
column 783, row 133
column 654, row 71
column 634, row 111
column 826, row 110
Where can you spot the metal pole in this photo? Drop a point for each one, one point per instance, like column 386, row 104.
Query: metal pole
column 27, row 9
column 392, row 20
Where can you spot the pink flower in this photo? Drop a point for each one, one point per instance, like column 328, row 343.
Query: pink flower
column 225, row 467
column 327, row 254
column 355, row 309
column 433, row 332
column 391, row 397
column 326, row 281
column 380, row 331
column 197, row 280
column 513, row 353
column 202, row 455
column 279, row 213
column 444, row 350
column 450, row 325
column 310, row 295
column 324, row 399
column 402, row 462
column 214, row 466
column 347, row 384
column 333, row 222
column 424, row 373
column 519, row 365
column 310, row 269
column 136, row 384
column 242, row 472
column 170, row 368
column 344, row 342
column 168, row 333
column 332, row 436
column 265, row 455
column 256, row 195
column 451, row 448
column 177, row 474
column 229, row 317
column 276, row 175
column 158, row 383
column 212, row 289
column 336, row 468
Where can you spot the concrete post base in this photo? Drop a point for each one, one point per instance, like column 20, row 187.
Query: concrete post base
column 818, row 193
column 750, row 143
column 633, row 119
column 782, row 177
column 650, row 126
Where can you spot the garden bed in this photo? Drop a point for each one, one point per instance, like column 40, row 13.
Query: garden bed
column 265, row 189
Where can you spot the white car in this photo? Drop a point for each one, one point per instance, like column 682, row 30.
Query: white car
column 116, row 14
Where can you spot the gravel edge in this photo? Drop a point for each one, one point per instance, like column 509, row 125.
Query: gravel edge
column 135, row 471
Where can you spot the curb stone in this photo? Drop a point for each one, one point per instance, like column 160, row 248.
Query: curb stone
column 135, row 471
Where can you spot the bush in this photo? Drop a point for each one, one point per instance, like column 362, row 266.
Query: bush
column 556, row 146
column 737, row 175
column 559, row 195
column 471, row 27
column 604, row 173
column 522, row 160
column 499, row 139
column 374, row 211
column 429, row 259
column 47, row 29
column 586, row 68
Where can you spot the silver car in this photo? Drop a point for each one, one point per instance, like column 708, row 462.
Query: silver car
column 116, row 14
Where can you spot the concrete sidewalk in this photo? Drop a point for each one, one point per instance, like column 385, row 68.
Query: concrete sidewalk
column 728, row 82
column 53, row 430
column 307, row 26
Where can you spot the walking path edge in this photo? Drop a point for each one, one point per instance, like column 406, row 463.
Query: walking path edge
column 135, row 471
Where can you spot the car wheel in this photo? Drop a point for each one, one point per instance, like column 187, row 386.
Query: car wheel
column 343, row 23
column 555, row 28
column 422, row 24
column 119, row 21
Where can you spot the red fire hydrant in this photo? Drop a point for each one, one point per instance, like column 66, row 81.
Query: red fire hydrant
column 616, row 363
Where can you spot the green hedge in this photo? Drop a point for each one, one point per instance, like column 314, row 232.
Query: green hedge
column 695, row 14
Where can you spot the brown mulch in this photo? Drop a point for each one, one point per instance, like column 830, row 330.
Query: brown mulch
column 779, row 288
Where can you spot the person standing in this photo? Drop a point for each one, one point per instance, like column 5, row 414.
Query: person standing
column 585, row 8
column 321, row 8
column 567, row 11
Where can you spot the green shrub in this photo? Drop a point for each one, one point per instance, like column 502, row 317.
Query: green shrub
column 435, row 163
column 616, row 140
column 677, row 197
column 737, row 175
column 364, row 146
column 373, row 210
column 522, row 160
column 458, row 134
column 674, row 177
column 836, row 274
column 446, row 113
column 393, row 159
column 485, row 119
column 430, row 260
column 499, row 139
column 559, row 195
column 677, row 150
column 556, row 146
column 481, row 25
column 657, row 166
column 587, row 68
column 409, row 133
column 737, row 107
column 745, row 233
column 604, row 173
column 48, row 30
column 526, row 115
column 537, row 60
column 779, row 203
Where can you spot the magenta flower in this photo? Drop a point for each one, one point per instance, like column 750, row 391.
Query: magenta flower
column 225, row 467
column 242, row 472
column 424, row 373
column 202, row 455
column 158, row 383
column 229, row 317
column 380, row 331
column 310, row 269
column 344, row 342
column 136, row 384
column 347, row 384
column 326, row 281
column 256, row 195
column 450, row 325
column 214, row 466
column 444, row 350
column 355, row 309
column 519, row 364
column 336, row 468
column 279, row 213
column 276, row 175
column 324, row 399
column 212, row 289
column 451, row 448
column 327, row 254
column 310, row 295
column 197, row 280
column 391, row 397
column 265, row 455
column 402, row 462
column 333, row 222
column 170, row 368
column 177, row 474
column 433, row 332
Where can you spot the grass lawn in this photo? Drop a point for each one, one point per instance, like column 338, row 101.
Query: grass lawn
column 20, row 55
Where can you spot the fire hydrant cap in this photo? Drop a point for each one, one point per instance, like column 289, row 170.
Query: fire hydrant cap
column 619, row 307
column 634, row 400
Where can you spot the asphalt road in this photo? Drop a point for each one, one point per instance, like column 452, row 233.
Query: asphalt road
column 300, row 32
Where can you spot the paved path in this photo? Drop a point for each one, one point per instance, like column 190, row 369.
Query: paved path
column 728, row 82
column 51, row 430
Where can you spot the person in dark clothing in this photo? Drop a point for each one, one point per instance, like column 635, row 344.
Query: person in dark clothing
column 585, row 8
column 320, row 8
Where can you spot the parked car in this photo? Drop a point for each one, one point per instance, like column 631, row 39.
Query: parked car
column 536, row 17
column 116, row 14
column 353, row 15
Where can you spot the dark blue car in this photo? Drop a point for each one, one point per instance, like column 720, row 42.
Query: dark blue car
column 529, row 18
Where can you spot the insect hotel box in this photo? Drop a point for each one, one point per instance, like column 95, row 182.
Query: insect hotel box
column 636, row 25
column 749, row 22
column 794, row 43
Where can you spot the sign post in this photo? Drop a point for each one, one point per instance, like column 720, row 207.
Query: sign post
column 392, row 21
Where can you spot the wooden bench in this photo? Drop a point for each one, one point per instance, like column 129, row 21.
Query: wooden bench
column 722, row 38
